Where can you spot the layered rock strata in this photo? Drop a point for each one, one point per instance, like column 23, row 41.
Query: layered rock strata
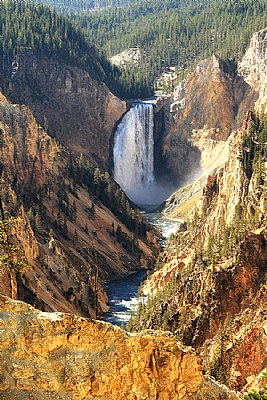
column 60, row 356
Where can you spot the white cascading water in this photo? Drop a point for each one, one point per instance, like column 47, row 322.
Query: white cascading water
column 134, row 154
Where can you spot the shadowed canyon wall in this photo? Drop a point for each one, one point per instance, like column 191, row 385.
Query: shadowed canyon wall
column 73, row 107
column 69, row 249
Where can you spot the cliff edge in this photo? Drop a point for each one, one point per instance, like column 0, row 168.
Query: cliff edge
column 65, row 357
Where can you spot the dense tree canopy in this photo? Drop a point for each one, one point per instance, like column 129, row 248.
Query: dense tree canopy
column 27, row 25
column 170, row 32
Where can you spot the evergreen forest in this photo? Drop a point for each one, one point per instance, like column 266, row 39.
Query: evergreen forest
column 177, row 33
column 85, row 33
column 26, row 25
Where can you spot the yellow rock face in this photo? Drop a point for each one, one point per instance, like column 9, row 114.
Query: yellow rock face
column 61, row 356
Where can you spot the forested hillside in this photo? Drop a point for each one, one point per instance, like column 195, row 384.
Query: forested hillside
column 78, row 6
column 170, row 32
column 174, row 32
column 27, row 25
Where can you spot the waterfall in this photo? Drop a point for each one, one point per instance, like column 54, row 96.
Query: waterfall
column 134, row 154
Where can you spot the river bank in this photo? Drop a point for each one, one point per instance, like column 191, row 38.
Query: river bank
column 122, row 293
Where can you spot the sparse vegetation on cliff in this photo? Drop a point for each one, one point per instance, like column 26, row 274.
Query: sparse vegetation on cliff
column 10, row 253
column 260, row 394
column 211, row 271
column 255, row 148
column 101, row 185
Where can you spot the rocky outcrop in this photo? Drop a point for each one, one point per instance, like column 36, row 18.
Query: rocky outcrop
column 73, row 107
column 130, row 56
column 211, row 101
column 60, row 356
column 253, row 67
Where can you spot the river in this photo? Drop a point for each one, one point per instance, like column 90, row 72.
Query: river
column 122, row 293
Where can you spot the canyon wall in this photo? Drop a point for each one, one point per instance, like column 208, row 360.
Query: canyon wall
column 211, row 289
column 205, row 108
column 210, row 102
column 76, row 109
column 210, row 284
column 68, row 237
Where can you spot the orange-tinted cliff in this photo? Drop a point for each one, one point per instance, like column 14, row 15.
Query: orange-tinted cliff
column 60, row 356
column 210, row 102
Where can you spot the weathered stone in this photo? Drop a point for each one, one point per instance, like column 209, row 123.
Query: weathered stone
column 79, row 359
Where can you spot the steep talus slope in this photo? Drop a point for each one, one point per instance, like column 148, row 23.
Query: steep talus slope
column 60, row 356
column 70, row 240
column 77, row 110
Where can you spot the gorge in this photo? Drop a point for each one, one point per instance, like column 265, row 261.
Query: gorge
column 63, row 136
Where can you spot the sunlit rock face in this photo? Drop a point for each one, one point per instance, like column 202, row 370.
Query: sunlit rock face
column 61, row 356
column 212, row 100
column 253, row 67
